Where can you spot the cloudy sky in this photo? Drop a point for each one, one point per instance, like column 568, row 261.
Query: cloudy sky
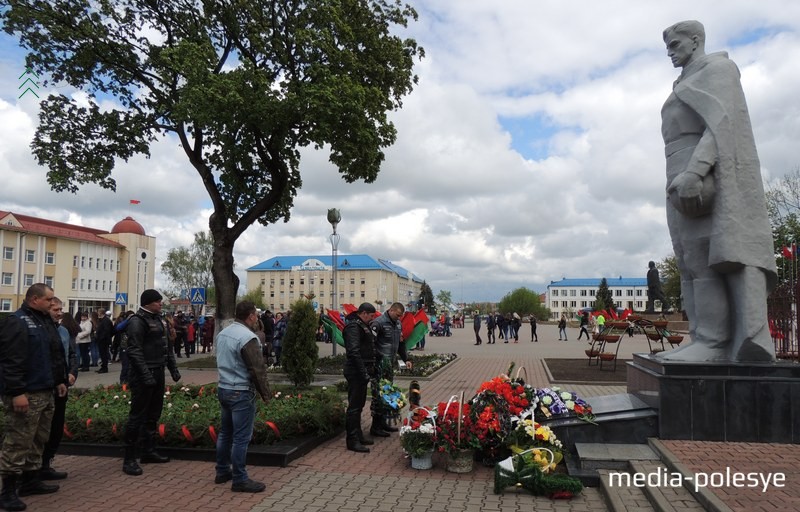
column 529, row 151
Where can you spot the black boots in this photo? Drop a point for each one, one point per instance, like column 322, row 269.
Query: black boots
column 149, row 454
column 129, row 465
column 377, row 428
column 48, row 473
column 388, row 428
column 31, row 484
column 9, row 500
column 354, row 435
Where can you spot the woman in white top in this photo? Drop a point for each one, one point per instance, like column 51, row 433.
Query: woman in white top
column 83, row 340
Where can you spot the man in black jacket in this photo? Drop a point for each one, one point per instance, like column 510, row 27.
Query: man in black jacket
column 105, row 332
column 359, row 368
column 388, row 345
column 148, row 353
column 32, row 364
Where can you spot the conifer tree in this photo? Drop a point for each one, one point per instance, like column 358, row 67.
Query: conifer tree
column 300, row 351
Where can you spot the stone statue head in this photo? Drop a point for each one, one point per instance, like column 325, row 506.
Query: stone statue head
column 685, row 41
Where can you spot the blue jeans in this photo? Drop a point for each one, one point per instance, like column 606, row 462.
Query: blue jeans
column 238, row 413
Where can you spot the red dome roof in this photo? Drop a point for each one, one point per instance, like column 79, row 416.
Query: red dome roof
column 128, row 225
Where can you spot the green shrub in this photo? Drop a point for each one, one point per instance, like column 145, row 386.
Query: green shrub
column 191, row 415
column 300, row 352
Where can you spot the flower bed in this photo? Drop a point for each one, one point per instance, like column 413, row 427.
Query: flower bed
column 191, row 415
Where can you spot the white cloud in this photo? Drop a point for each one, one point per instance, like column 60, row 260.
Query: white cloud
column 529, row 151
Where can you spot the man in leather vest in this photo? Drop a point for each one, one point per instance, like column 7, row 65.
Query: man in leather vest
column 388, row 344
column 148, row 353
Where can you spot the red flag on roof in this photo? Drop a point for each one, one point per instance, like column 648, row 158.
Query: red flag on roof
column 135, row 201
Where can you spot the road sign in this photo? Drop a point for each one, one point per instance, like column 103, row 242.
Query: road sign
column 121, row 300
column 197, row 295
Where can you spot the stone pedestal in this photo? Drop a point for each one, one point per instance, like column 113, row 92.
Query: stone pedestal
column 709, row 401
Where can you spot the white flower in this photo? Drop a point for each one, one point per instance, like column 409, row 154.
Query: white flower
column 116, row 397
column 324, row 388
column 96, row 406
column 167, row 393
column 195, row 406
column 427, row 428
column 169, row 405
column 129, row 402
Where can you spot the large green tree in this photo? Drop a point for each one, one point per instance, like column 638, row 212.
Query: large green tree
column 190, row 267
column 241, row 85
column 445, row 298
column 524, row 302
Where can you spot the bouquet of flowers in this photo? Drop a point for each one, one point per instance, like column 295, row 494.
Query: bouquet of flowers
column 392, row 398
column 455, row 431
column 530, row 434
column 555, row 402
column 418, row 433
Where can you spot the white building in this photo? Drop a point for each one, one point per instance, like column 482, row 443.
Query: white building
column 569, row 296
column 361, row 278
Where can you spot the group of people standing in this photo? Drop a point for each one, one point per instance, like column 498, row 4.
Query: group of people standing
column 373, row 346
column 508, row 326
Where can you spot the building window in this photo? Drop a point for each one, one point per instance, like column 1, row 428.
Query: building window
column 30, row 256
column 74, row 283
column 555, row 304
column 555, row 293
column 291, row 283
column 28, row 281
column 629, row 293
column 302, row 281
column 89, row 283
column 353, row 280
column 283, row 281
column 83, row 261
column 8, row 278
column 8, row 253
column 272, row 294
column 105, row 264
column 572, row 293
column 592, row 293
column 50, row 258
column 639, row 304
column 617, row 293
column 104, row 285
column 363, row 281
column 563, row 304
column 363, row 294
column 48, row 280
column 117, row 265
column 83, row 284
column 638, row 293
column 583, row 293
column 583, row 303
column 352, row 295
column 573, row 304
column 75, row 261
column 97, row 284
column 91, row 260
column 5, row 305
column 321, row 281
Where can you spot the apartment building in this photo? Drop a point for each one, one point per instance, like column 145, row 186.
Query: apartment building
column 569, row 296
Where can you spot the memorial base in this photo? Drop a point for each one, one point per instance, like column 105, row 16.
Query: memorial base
column 710, row 401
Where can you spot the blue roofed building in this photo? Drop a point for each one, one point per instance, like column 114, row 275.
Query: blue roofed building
column 569, row 296
column 361, row 278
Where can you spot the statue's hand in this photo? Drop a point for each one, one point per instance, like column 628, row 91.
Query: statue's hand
column 688, row 185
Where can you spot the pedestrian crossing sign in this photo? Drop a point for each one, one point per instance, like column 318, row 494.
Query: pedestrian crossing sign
column 121, row 300
column 197, row 295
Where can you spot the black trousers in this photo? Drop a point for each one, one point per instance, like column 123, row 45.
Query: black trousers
column 146, row 405
column 56, row 429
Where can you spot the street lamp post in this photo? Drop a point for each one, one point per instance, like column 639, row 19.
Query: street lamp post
column 334, row 217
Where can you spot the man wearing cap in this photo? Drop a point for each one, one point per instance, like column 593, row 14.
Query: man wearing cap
column 359, row 368
column 148, row 353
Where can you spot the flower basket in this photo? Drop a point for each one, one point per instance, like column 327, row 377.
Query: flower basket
column 418, row 433
column 608, row 356
column 592, row 353
column 618, row 325
column 460, row 461
column 654, row 336
column 423, row 461
column 660, row 323
column 612, row 338
column 675, row 340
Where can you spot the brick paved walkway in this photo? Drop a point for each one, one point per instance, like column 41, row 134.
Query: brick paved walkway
column 336, row 480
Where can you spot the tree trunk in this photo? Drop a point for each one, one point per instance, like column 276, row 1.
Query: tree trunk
column 226, row 281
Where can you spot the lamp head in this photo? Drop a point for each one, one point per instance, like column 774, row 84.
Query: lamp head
column 334, row 217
